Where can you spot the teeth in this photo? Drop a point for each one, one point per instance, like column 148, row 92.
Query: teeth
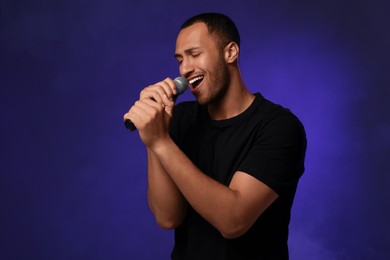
column 195, row 79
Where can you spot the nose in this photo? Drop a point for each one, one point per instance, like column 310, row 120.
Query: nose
column 186, row 67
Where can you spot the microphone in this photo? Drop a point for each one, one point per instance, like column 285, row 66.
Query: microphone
column 181, row 86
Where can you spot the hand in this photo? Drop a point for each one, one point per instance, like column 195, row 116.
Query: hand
column 152, row 113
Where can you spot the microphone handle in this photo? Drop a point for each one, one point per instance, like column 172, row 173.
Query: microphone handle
column 130, row 125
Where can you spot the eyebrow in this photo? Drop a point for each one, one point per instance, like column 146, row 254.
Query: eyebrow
column 187, row 51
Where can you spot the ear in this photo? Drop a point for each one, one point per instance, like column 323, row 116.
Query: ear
column 231, row 52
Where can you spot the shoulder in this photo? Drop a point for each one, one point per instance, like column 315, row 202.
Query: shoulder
column 278, row 125
column 269, row 113
column 277, row 154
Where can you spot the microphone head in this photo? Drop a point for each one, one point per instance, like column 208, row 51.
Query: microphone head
column 181, row 84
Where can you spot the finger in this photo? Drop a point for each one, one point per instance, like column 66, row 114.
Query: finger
column 126, row 116
column 133, row 115
column 170, row 87
column 164, row 88
column 146, row 108
column 129, row 114
column 137, row 114
column 168, row 102
column 148, row 104
column 153, row 93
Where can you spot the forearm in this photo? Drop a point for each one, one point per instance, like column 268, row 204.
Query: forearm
column 165, row 200
column 214, row 201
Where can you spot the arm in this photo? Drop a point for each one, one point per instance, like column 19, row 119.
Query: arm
column 232, row 210
column 165, row 200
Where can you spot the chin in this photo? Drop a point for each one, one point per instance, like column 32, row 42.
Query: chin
column 202, row 102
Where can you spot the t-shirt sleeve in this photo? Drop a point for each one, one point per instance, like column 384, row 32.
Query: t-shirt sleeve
column 277, row 155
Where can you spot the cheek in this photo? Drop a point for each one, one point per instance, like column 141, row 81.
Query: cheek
column 208, row 63
column 203, row 63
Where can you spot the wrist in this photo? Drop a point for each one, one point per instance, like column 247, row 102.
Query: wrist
column 160, row 146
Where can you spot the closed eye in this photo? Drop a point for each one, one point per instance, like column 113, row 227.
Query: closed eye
column 195, row 54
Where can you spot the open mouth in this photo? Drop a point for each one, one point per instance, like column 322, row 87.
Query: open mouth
column 195, row 82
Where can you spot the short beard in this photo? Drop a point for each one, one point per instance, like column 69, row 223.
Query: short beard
column 219, row 86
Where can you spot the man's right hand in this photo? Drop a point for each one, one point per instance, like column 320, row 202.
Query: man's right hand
column 152, row 113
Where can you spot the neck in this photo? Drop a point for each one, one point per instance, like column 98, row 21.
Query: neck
column 235, row 101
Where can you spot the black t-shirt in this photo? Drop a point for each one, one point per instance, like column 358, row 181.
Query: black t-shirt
column 266, row 141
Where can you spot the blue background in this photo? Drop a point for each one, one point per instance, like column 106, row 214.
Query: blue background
column 73, row 179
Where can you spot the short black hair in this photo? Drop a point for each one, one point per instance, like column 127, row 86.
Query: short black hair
column 218, row 24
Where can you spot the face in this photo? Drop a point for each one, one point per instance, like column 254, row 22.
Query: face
column 202, row 62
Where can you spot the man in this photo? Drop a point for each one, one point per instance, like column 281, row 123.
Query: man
column 222, row 170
